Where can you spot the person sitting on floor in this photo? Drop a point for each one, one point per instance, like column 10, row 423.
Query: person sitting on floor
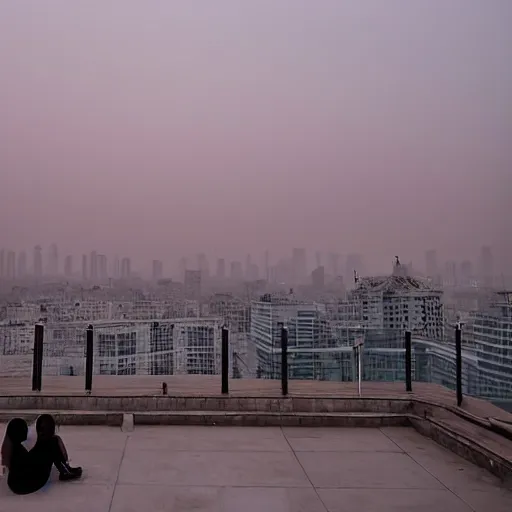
column 29, row 471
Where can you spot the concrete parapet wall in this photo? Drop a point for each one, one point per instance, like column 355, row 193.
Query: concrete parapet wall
column 317, row 405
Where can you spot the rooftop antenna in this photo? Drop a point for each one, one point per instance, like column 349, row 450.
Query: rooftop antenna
column 356, row 277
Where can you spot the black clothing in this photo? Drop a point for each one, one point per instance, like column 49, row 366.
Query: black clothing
column 29, row 471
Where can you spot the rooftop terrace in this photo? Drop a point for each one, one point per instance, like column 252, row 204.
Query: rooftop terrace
column 272, row 469
column 253, row 449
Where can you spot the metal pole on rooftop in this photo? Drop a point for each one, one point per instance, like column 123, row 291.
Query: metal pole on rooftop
column 89, row 358
column 408, row 361
column 458, row 362
column 37, row 364
column 359, row 368
column 284, row 360
column 225, row 360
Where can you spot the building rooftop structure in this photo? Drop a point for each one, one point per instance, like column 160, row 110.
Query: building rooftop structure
column 394, row 283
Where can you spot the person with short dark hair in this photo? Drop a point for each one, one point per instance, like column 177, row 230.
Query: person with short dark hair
column 30, row 470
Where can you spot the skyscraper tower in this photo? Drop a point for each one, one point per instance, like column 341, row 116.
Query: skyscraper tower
column 299, row 266
column 94, row 266
column 192, row 284
column 68, row 266
column 101, row 264
column 38, row 262
column 318, row 257
column 85, row 268
column 116, row 268
column 182, row 267
column 221, row 268
column 202, row 265
column 126, row 268
column 53, row 260
column 158, row 270
column 22, row 264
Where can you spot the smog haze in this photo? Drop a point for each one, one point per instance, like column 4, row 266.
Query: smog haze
column 161, row 128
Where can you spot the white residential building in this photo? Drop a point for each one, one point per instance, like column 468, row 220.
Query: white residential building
column 312, row 346
column 399, row 302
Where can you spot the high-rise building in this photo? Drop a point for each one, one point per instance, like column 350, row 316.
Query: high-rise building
column 488, row 332
column 431, row 267
column 182, row 267
column 299, row 265
column 202, row 265
column 451, row 277
column 68, row 266
column 53, row 260
column 116, row 268
column 312, row 351
column 22, row 264
column 38, row 262
column 101, row 264
column 248, row 265
column 192, row 284
column 221, row 268
column 158, row 270
column 466, row 272
column 318, row 259
column 126, row 268
column 11, row 265
column 93, row 260
column 318, row 278
column 267, row 266
column 85, row 268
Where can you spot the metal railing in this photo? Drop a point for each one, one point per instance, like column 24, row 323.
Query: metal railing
column 90, row 349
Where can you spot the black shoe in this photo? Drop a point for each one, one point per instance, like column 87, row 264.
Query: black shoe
column 65, row 477
column 66, row 472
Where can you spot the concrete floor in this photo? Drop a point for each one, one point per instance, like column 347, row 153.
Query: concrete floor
column 229, row 469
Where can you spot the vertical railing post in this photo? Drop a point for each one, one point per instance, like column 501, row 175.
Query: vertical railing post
column 89, row 347
column 225, row 360
column 408, row 361
column 358, row 352
column 458, row 362
column 284, row 360
column 37, row 363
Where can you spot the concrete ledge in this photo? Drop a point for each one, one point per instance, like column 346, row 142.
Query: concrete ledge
column 394, row 405
column 467, row 447
column 274, row 419
column 218, row 418
column 112, row 419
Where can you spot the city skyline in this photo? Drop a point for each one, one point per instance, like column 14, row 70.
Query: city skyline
column 293, row 268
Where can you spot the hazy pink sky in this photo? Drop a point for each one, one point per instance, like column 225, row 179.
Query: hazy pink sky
column 167, row 127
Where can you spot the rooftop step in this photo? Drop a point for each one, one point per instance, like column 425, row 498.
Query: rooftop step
column 217, row 418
